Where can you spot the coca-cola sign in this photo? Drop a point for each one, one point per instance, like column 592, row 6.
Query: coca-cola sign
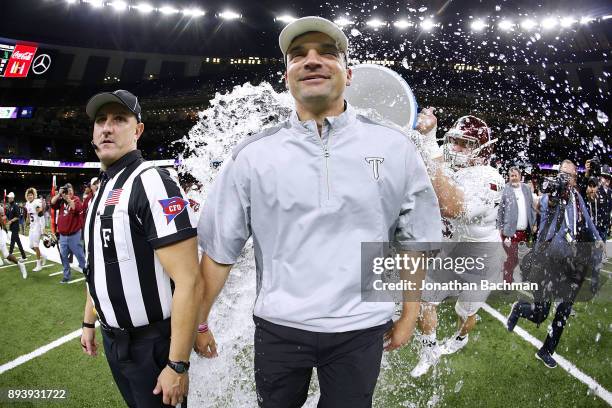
column 25, row 56
column 18, row 65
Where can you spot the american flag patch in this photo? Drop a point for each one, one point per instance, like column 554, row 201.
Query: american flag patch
column 113, row 197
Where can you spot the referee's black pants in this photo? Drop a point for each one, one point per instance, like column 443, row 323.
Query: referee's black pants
column 15, row 240
column 136, row 360
column 347, row 364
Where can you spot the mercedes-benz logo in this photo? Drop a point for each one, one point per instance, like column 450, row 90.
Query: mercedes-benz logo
column 41, row 64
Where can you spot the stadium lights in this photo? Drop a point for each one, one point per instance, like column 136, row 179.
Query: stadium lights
column 567, row 22
column 167, row 10
column 428, row 24
column 607, row 17
column 343, row 22
column 506, row 25
column 478, row 25
column 94, row 3
column 586, row 20
column 402, row 24
column 118, row 5
column 528, row 24
column 71, row 1
column 285, row 18
column 229, row 15
column 375, row 23
column 549, row 23
column 193, row 12
column 144, row 8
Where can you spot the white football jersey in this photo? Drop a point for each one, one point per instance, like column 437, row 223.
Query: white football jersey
column 37, row 223
column 482, row 188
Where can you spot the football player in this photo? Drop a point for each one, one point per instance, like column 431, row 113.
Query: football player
column 36, row 219
column 468, row 191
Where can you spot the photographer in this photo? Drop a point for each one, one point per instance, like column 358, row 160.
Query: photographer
column 561, row 259
column 69, row 225
column 599, row 204
column 592, row 169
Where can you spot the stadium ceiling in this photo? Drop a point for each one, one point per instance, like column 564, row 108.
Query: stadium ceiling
column 246, row 27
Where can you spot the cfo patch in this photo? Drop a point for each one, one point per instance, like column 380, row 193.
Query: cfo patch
column 173, row 207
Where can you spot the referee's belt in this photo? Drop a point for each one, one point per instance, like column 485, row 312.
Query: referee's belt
column 123, row 337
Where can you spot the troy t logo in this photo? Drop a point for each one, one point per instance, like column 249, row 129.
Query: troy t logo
column 374, row 161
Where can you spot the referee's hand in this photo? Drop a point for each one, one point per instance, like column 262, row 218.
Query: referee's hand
column 88, row 342
column 205, row 345
column 173, row 385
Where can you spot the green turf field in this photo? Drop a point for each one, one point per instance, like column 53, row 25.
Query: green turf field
column 496, row 369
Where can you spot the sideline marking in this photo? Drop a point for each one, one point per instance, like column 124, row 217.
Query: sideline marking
column 12, row 264
column 41, row 350
column 574, row 371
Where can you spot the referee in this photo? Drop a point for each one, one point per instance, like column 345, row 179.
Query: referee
column 142, row 262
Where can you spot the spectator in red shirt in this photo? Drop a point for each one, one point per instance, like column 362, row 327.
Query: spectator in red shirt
column 92, row 187
column 69, row 225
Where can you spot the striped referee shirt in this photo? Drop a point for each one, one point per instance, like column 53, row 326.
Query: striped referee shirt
column 137, row 209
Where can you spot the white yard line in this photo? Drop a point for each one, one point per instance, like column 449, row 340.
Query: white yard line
column 12, row 264
column 76, row 280
column 40, row 351
column 597, row 388
column 56, row 273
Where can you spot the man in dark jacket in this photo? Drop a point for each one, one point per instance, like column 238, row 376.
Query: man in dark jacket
column 566, row 227
column 13, row 213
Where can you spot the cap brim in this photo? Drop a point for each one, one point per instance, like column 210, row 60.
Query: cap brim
column 97, row 101
column 311, row 24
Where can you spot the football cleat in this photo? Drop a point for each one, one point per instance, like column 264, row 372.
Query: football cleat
column 429, row 357
column 454, row 344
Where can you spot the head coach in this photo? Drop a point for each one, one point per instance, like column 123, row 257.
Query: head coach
column 142, row 262
column 310, row 191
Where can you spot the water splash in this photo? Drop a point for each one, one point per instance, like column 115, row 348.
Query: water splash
column 228, row 379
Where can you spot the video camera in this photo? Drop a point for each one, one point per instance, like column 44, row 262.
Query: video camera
column 594, row 167
column 557, row 188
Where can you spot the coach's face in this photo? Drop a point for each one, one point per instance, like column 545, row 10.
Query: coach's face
column 316, row 70
column 115, row 133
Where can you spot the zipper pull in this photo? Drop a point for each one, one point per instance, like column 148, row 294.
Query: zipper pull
column 325, row 152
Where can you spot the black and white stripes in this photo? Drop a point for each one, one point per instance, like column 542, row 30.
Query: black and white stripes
column 127, row 282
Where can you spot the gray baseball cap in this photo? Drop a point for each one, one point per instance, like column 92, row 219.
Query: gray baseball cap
column 311, row 24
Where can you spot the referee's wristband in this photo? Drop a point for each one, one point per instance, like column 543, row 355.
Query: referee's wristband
column 88, row 325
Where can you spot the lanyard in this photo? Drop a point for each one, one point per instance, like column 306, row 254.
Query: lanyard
column 566, row 215
column 593, row 213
